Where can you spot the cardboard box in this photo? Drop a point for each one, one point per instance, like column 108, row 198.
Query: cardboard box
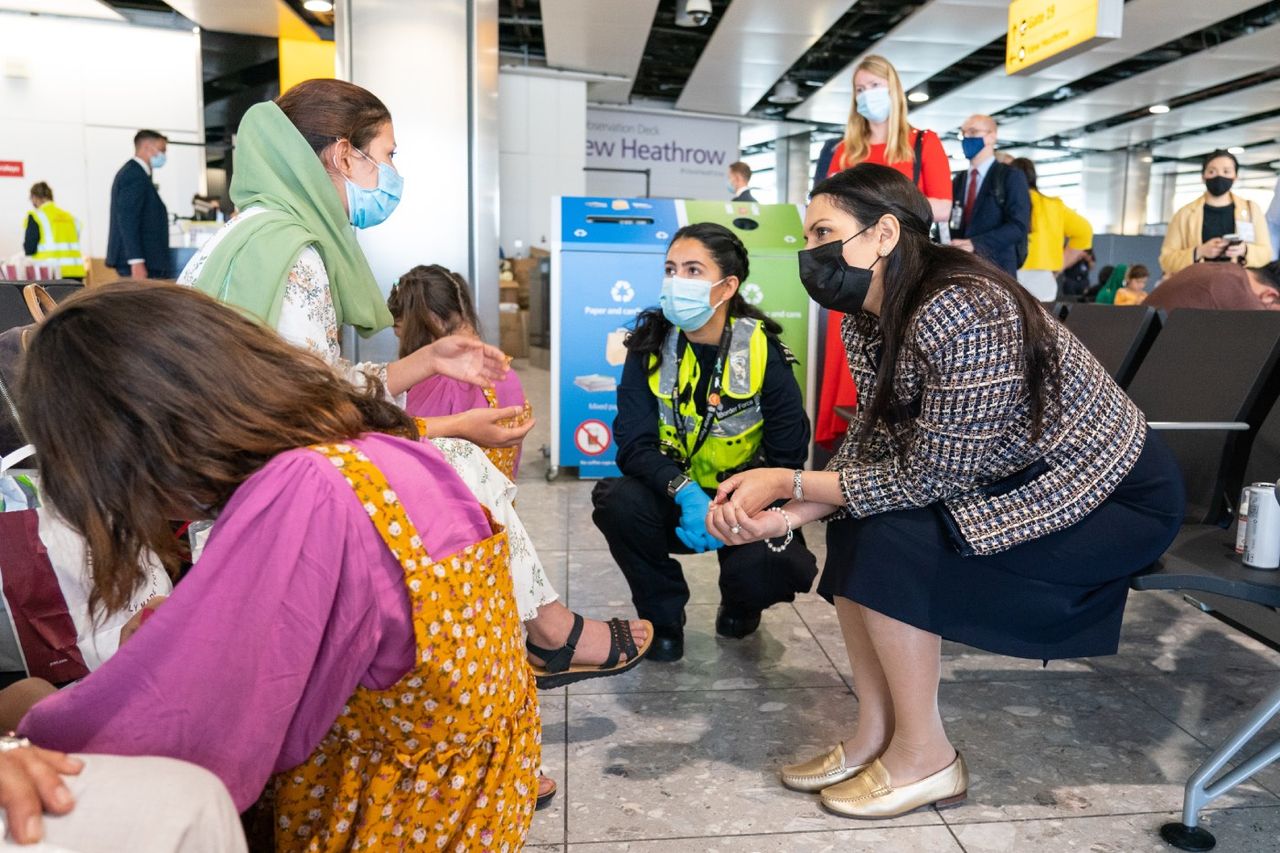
column 513, row 333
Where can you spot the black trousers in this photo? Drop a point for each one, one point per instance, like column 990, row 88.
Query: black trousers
column 640, row 525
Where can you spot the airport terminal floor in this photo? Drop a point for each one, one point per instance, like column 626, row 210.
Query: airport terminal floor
column 1087, row 754
column 640, row 426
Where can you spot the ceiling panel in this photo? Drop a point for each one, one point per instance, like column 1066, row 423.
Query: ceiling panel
column 932, row 39
column 1230, row 107
column 754, row 44
column 72, row 8
column 1201, row 144
column 271, row 18
column 604, row 36
column 1147, row 24
column 1216, row 65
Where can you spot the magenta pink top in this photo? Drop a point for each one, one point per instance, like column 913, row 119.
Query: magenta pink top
column 294, row 602
column 441, row 395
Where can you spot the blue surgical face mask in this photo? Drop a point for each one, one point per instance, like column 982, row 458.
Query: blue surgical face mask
column 875, row 104
column 370, row 207
column 686, row 302
column 972, row 146
column 158, row 160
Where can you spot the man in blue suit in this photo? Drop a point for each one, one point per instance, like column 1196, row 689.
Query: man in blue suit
column 993, row 200
column 138, row 240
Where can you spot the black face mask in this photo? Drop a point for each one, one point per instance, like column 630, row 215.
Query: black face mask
column 829, row 279
column 1218, row 185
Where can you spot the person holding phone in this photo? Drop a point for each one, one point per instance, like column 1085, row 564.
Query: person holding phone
column 1220, row 226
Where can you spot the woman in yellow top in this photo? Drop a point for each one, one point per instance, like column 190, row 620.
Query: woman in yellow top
column 1058, row 238
column 1202, row 230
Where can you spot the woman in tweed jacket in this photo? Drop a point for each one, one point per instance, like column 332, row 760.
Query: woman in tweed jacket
column 996, row 487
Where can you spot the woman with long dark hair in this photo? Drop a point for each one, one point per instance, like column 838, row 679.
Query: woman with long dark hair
column 351, row 619
column 707, row 390
column 996, row 488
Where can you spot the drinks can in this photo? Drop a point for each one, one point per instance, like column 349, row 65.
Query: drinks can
column 1242, row 520
column 1262, row 536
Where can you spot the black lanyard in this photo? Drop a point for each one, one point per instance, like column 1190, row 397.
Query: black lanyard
column 713, row 396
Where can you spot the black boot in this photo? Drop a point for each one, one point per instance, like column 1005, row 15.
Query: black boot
column 736, row 624
column 668, row 644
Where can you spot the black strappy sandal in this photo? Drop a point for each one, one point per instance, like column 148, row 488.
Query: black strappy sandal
column 558, row 668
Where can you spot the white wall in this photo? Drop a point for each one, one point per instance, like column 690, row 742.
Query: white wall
column 433, row 63
column 72, row 94
column 541, row 152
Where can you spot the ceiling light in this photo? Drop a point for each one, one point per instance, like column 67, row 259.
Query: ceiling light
column 195, row 30
column 786, row 92
column 918, row 97
column 322, row 6
column 1158, row 109
column 1235, row 149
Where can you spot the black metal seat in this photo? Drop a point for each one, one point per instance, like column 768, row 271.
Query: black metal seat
column 1118, row 336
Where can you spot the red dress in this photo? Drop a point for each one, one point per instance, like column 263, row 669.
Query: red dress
column 837, row 384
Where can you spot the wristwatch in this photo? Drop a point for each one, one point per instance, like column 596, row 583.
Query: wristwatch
column 797, row 485
column 12, row 741
column 677, row 483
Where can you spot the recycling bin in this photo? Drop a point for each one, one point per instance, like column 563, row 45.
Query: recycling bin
column 773, row 234
column 606, row 267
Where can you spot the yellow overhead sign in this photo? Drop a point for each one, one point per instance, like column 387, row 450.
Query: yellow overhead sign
column 1042, row 32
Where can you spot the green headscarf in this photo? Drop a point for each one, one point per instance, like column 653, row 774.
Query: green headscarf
column 1107, row 296
column 276, row 169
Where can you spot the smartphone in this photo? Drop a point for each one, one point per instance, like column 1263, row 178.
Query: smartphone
column 1233, row 239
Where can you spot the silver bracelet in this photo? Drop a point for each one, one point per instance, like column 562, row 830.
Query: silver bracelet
column 797, row 485
column 778, row 549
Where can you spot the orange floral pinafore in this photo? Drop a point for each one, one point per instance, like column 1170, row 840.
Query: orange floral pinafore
column 447, row 758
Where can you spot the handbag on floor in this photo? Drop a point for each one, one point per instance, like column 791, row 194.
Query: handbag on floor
column 48, row 630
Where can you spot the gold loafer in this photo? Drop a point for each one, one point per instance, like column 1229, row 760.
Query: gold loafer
column 871, row 794
column 821, row 772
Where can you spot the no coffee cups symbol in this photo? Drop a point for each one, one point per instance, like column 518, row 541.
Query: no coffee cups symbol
column 592, row 437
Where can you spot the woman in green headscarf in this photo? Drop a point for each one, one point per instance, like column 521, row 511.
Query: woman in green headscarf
column 307, row 168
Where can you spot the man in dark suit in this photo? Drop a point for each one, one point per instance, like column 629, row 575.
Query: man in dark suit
column 739, row 178
column 993, row 200
column 138, row 240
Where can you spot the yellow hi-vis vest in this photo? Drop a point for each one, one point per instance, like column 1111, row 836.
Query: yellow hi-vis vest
column 738, row 429
column 59, row 240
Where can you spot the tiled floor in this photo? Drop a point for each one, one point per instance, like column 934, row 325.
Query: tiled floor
column 1086, row 755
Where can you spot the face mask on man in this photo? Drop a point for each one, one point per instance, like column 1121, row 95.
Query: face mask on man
column 686, row 302
column 831, row 281
column 874, row 104
column 972, row 146
column 1219, row 185
column 158, row 160
column 369, row 207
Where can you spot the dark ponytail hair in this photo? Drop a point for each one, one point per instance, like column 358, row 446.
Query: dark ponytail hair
column 917, row 269
column 430, row 302
column 731, row 257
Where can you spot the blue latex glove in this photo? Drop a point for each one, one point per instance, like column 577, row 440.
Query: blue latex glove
column 692, row 530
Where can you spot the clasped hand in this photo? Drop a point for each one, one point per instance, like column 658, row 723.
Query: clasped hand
column 739, row 514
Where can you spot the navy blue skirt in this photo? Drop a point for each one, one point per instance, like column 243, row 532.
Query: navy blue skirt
column 1058, row 596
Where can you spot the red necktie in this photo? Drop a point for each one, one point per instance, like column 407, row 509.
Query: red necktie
column 970, row 195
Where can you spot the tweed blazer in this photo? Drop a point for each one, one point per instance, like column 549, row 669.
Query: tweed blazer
column 960, row 434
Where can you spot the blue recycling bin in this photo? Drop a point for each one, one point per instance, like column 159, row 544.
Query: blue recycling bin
column 606, row 267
